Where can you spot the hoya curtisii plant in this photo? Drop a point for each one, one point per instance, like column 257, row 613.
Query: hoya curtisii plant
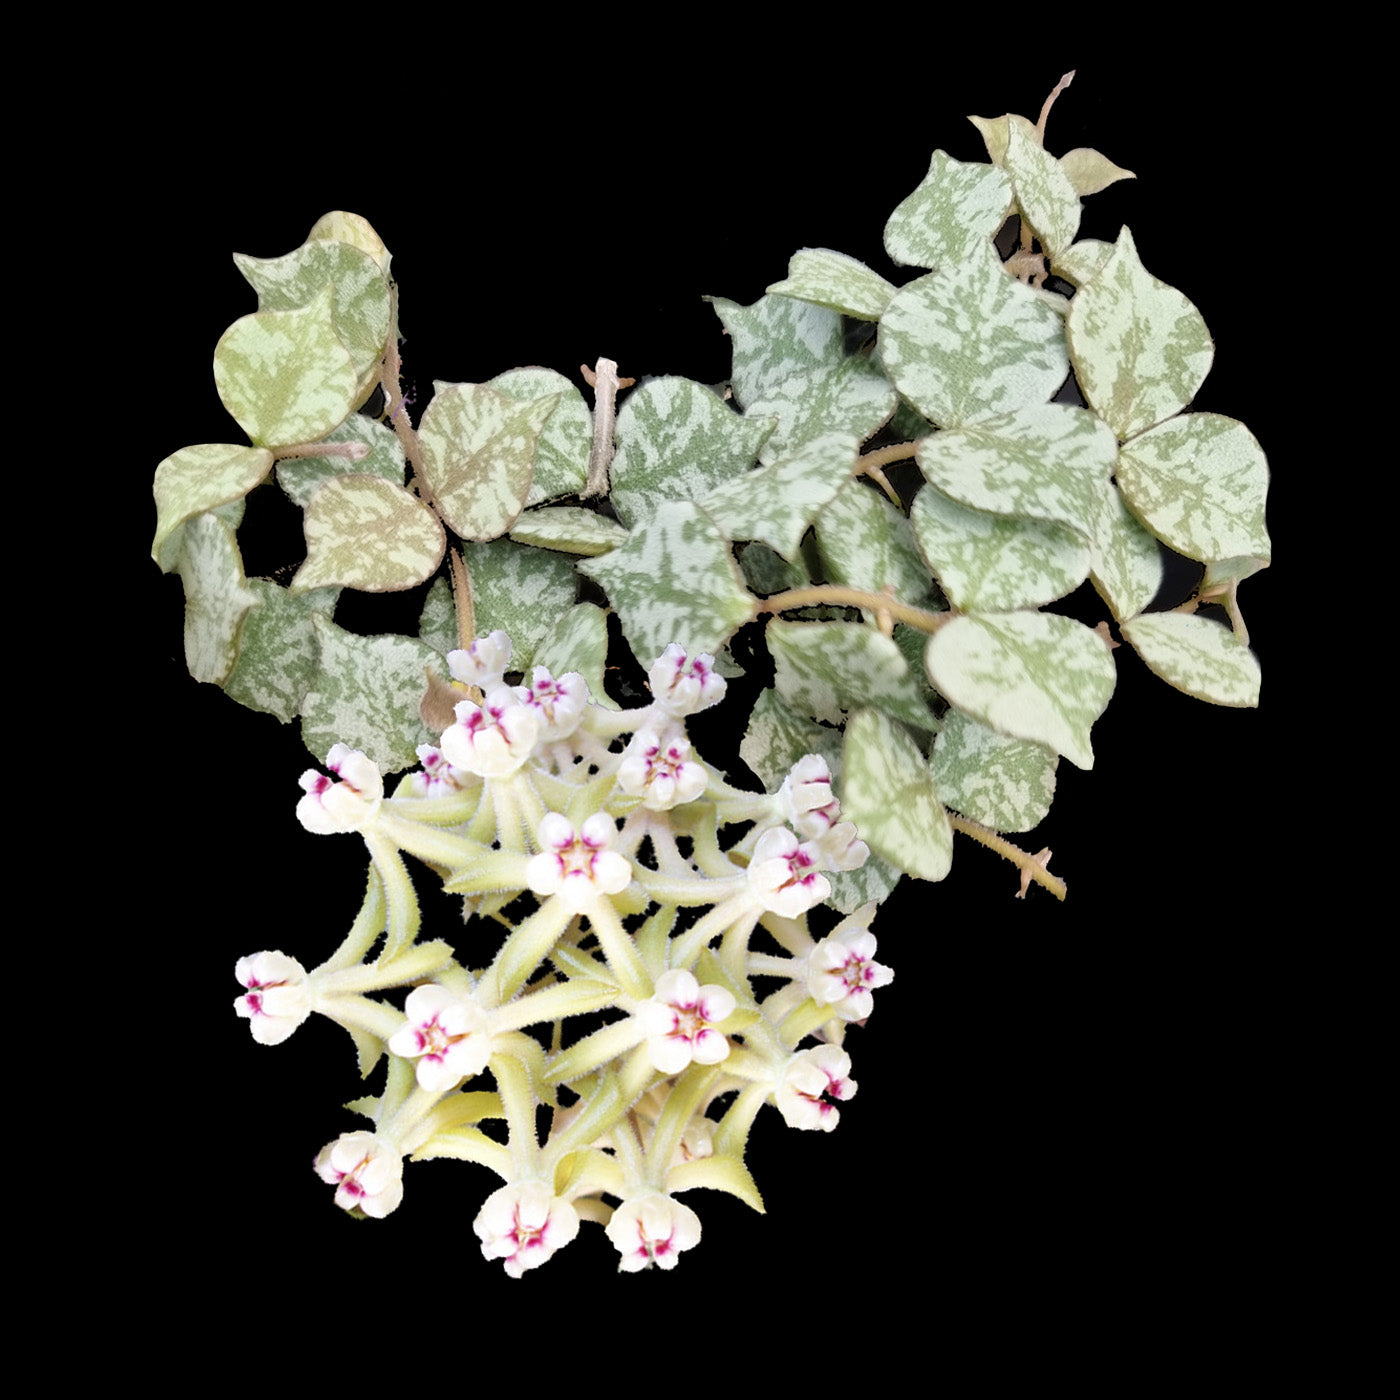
column 636, row 951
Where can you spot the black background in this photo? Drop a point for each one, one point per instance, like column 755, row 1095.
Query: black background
column 1071, row 1107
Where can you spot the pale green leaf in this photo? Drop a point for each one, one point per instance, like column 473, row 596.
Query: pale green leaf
column 1044, row 192
column 217, row 597
column 968, row 342
column 1199, row 483
column 675, row 580
column 520, row 590
column 1196, row 655
column 354, row 229
column 364, row 532
column 578, row 641
column 479, row 455
column 826, row 670
column 197, row 479
column 278, row 653
column 956, row 207
column 996, row 134
column 778, row 503
column 889, row 793
column 677, row 441
column 834, row 280
column 437, row 623
column 1006, row 784
column 994, row 563
column 300, row 476
column 1140, row 349
column 776, row 338
column 1089, row 171
column 1127, row 565
column 1029, row 675
column 366, row 694
column 568, row 529
column 1083, row 261
column 865, row 542
column 284, row 375
column 852, row 396
column 561, row 459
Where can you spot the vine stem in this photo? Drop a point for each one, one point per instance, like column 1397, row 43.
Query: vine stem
column 393, row 394
column 838, row 595
column 1029, row 866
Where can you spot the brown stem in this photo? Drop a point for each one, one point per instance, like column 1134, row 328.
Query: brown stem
column 838, row 595
column 355, row 451
column 398, row 413
column 1031, row 867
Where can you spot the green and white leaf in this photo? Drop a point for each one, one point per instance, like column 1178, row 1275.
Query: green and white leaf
column 1083, row 261
column 866, row 542
column 1198, row 656
column 569, row 530
column 969, row 342
column 890, row 795
column 1199, row 483
column 778, row 503
column 217, row 597
column 561, row 459
column 197, row 479
column 1089, row 171
column 278, row 654
column 826, row 670
column 675, row 580
column 359, row 303
column 1006, row 784
column 836, row 281
column 364, row 532
column 366, row 694
column 996, row 563
column 776, row 338
column 284, row 375
column 851, row 397
column 578, row 641
column 1051, row 462
column 300, row 476
column 956, row 207
column 437, row 623
column 354, row 229
column 1140, row 349
column 479, row 455
column 677, row 441
column 1028, row 675
column 522, row 591
column 1126, row 564
column 1044, row 192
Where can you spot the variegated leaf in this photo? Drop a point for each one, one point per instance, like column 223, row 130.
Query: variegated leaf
column 1083, row 261
column 437, row 623
column 826, row 670
column 1198, row 656
column 284, row 375
column 677, row 441
column 851, row 397
column 1199, row 483
column 996, row 134
column 278, row 653
column 578, row 641
column 1051, row 462
column 1140, row 349
column 956, row 207
column 837, row 281
column 366, row 694
column 300, row 476
column 777, row 504
column 866, row 542
column 995, row 563
column 969, row 342
column 568, row 529
column 520, row 590
column 1006, row 784
column 354, row 229
column 479, row 455
column 561, row 459
column 1029, row 675
column 776, row 338
column 364, row 532
column 766, row 572
column 675, row 580
column 890, row 795
column 1044, row 192
column 1127, row 565
column 217, row 597
column 197, row 479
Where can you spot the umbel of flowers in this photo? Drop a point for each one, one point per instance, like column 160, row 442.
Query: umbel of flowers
column 589, row 845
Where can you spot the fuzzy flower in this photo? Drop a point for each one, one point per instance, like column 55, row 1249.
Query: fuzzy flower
column 810, row 1080
column 842, row 971
column 524, row 1224
column 652, row 1229
column 658, row 769
column 278, row 999
column 681, row 1019
column 483, row 664
column 559, row 704
column 784, row 874
column 806, row 799
column 491, row 741
column 840, row 848
column 350, row 804
column 577, row 865
column 367, row 1173
column 682, row 687
column 438, row 778
column 448, row 1035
